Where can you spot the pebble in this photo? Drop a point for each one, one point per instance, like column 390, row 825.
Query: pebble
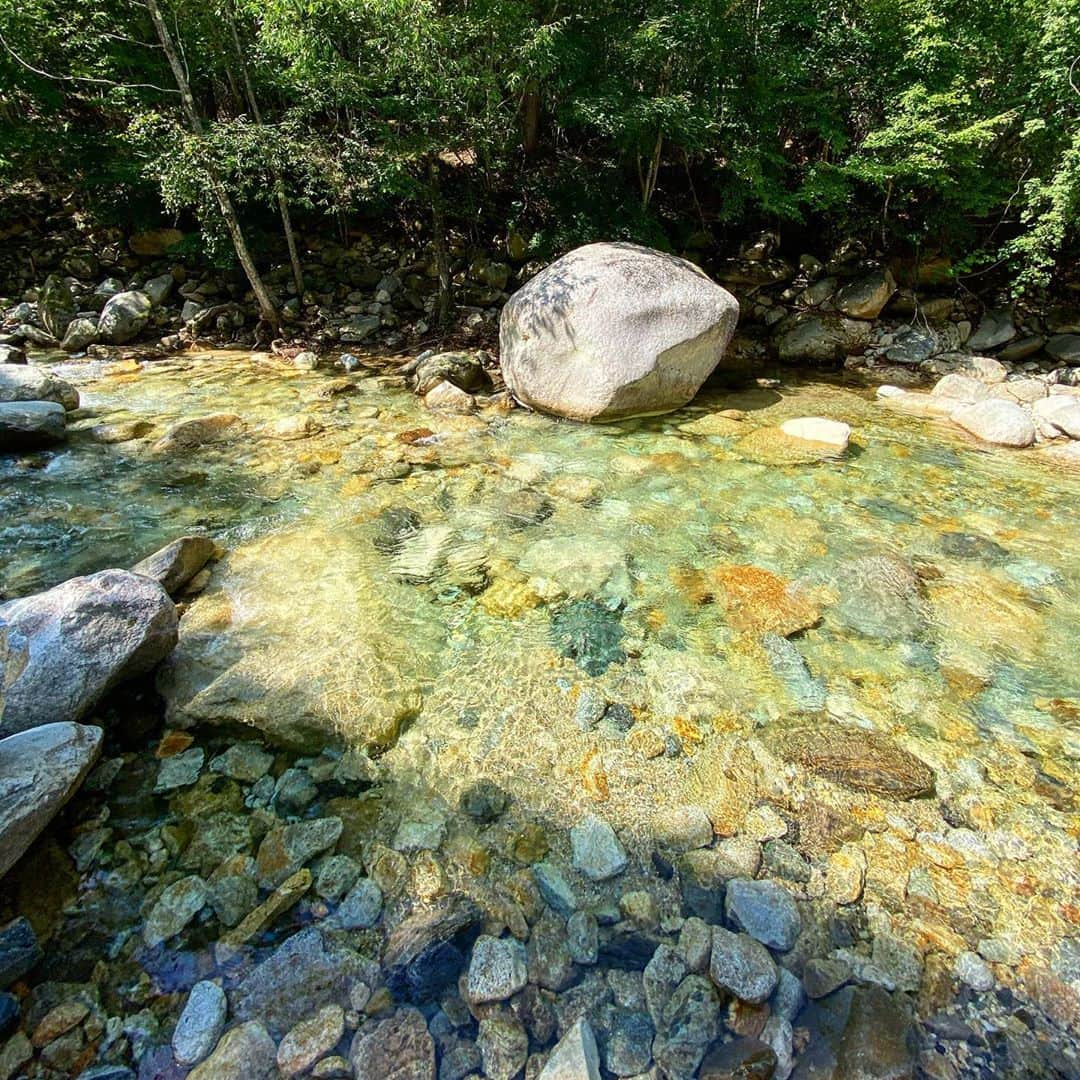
column 176, row 907
column 246, row 762
column 361, row 907
column 742, row 966
column 498, row 970
column 597, row 851
column 180, row 770
column 845, row 875
column 310, row 1040
column 555, row 889
column 682, row 828
column 695, row 944
column 765, row 911
column 200, row 1024
column 583, row 938
column 245, row 1053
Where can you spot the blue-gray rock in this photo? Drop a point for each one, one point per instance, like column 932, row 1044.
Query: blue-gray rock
column 200, row 1024
column 33, row 383
column 689, row 1026
column 626, row 1043
column 9, row 1014
column 31, row 425
column 361, row 907
column 498, row 970
column 764, row 910
column 742, row 966
column 583, row 937
column 19, row 951
column 555, row 889
column 790, row 668
column 597, row 851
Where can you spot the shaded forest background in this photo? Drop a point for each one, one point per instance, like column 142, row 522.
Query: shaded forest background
column 946, row 126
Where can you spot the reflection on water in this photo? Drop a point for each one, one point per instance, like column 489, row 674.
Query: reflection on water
column 630, row 617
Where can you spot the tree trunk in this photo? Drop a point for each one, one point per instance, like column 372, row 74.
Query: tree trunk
column 279, row 183
column 267, row 307
column 442, row 254
column 530, row 125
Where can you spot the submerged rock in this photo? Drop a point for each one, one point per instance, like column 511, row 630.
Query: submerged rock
column 589, row 634
column 200, row 1024
column 19, row 951
column 878, row 596
column 614, row 330
column 575, row 1057
column 399, row 1048
column 40, row 770
column 80, row 640
column 174, row 565
column 186, row 435
column 244, row 1053
column 859, row 759
column 31, row 425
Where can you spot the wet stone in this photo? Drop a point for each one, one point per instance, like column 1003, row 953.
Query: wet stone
column 583, row 938
column 765, row 911
column 689, row 1026
column 682, row 828
column 310, row 1040
column 741, row 1059
column 589, row 634
column 555, row 889
column 246, row 762
column 498, row 969
column 336, row 875
column 550, row 963
column 973, row 971
column 178, row 904
column 823, row 976
column 504, row 1046
column 295, row 791
column 9, row 1014
column 626, row 1043
column 597, row 851
column 742, row 966
column 200, row 1024
column 575, row 1057
column 244, row 1053
column 484, row 801
column 19, row 951
column 180, row 770
column 662, row 975
column 287, row 848
column 782, row 860
column 788, row 998
column 413, row 836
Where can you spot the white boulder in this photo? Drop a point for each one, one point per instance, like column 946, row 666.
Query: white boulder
column 997, row 421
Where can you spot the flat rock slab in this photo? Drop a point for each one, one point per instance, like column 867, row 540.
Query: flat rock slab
column 40, row 770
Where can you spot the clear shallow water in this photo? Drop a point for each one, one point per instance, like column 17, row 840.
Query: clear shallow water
column 467, row 602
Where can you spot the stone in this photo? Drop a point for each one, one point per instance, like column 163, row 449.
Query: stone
column 614, row 330
column 744, row 1058
column 462, row 370
column 742, row 966
column 504, row 1046
column 399, row 1048
column 820, row 339
column 679, row 829
column 878, row 596
column 446, row 397
column 484, row 801
column 295, row 791
column 12, row 354
column 1065, row 348
column 690, row 1024
column 823, row 976
column 80, row 334
column 858, row 759
column 337, row 874
column 58, row 1021
column 310, row 1040
column 555, row 889
column 660, row 979
column 845, row 874
column 757, row 601
column 290, row 428
column 124, row 316
column 876, row 1041
column 498, row 970
column 19, row 951
column 626, row 1043
column 304, row 973
column 14, row 1054
column 359, row 329
column 180, row 770
column 808, row 693
column 244, row 1053
column 178, row 904
column 187, row 435
column 997, row 421
column 361, row 907
column 40, row 769
column 81, row 639
column 31, row 425
column 597, row 851
column 764, row 910
column 20, row 383
column 550, row 964
column 817, row 429
column 864, row 299
column 174, row 565
column 583, row 938
column 158, row 288
column 959, row 387
column 56, row 305
column 994, row 329
column 695, row 944
column 1061, row 412
column 257, row 919
column 201, row 1023
column 288, row 847
column 423, row 952
column 575, row 1056
column 912, row 345
column 973, row 971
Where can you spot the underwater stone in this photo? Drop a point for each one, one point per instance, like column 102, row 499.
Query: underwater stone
column 589, row 634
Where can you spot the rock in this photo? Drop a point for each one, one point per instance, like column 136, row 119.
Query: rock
column 358, row 329
column 257, row 919
column 865, row 299
column 879, row 596
column 614, row 330
column 504, row 1046
column 9, row 1014
column 498, row 970
column 660, row 979
column 912, row 345
column 788, row 665
column 682, row 828
column 689, row 1025
column 306, row 972
column 626, row 1043
column 306, row 360
column 245, row 1053
column 973, row 971
column 33, row 383
column 1061, row 412
column 174, row 565
column 484, row 801
column 820, row 339
column 81, row 639
column 462, row 370
column 158, row 288
column 31, row 425
column 816, row 429
column 246, row 761
column 180, row 770
column 597, row 852
column 154, row 242
column 876, row 1041
column 994, row 329
column 361, row 907
column 124, row 316
column 291, row 428
column 178, row 904
column 742, row 966
column 200, row 1024
column 56, row 305
column 399, row 1048
column 575, row 1057
column 823, row 976
column 858, row 759
column 187, row 435
column 12, row 354
column 758, row 601
column 311, row 1040
column 288, row 847
column 81, row 333
column 19, row 951
column 765, row 911
column 745, row 1058
column 446, row 397
column 959, row 387
column 555, row 889
column 588, row 633
column 583, row 938
column 1065, row 348
column 997, row 421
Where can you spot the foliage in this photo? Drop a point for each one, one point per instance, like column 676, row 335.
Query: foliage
column 940, row 124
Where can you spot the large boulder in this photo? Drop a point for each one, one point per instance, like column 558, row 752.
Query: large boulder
column 820, row 339
column 81, row 333
column 56, row 305
column 39, row 771
column 614, row 330
column 124, row 316
column 865, row 298
column 997, row 421
column 31, row 425
column 19, row 383
column 75, row 642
